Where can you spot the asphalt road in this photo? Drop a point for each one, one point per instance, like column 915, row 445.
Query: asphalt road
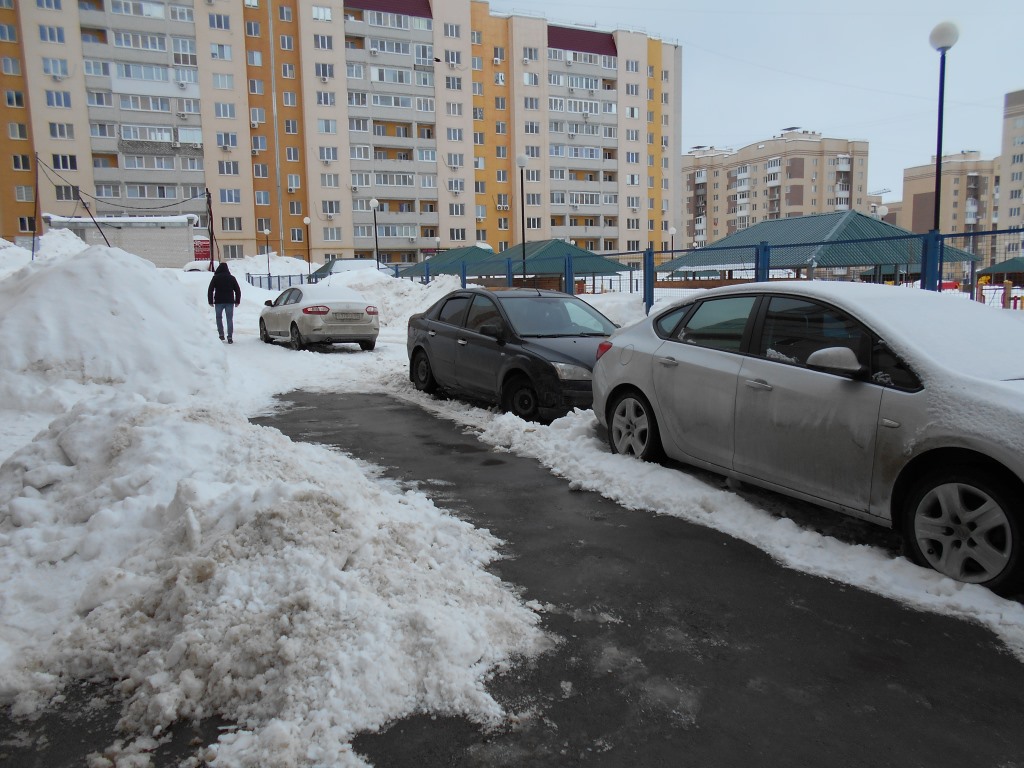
column 679, row 646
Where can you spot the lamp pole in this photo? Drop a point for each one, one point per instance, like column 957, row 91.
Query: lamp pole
column 437, row 245
column 521, row 161
column 266, row 247
column 942, row 39
column 374, row 204
column 309, row 261
column 672, row 239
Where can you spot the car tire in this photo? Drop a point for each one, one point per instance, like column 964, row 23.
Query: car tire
column 367, row 346
column 297, row 341
column 519, row 397
column 422, row 375
column 962, row 523
column 264, row 336
column 632, row 427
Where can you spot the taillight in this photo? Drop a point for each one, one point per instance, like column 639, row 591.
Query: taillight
column 603, row 347
column 318, row 309
column 371, row 310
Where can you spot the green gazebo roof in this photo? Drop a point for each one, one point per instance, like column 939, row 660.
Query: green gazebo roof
column 1012, row 266
column 821, row 240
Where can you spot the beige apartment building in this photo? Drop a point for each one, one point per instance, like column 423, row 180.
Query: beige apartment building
column 340, row 129
column 977, row 195
column 796, row 173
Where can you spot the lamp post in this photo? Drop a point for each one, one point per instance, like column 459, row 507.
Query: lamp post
column 437, row 245
column 942, row 38
column 266, row 247
column 374, row 205
column 672, row 239
column 521, row 161
column 309, row 261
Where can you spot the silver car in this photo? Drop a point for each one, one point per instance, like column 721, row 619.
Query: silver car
column 900, row 406
column 320, row 314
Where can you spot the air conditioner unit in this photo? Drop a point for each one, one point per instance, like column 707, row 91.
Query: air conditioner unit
column 456, row 192
column 355, row 188
column 291, row 190
column 326, row 162
column 574, row 207
column 225, row 147
column 572, row 90
column 255, row 152
column 497, row 61
column 572, row 135
column 254, row 124
column 591, row 91
column 502, row 207
column 526, row 61
column 586, row 115
column 568, row 62
column 182, row 115
column 175, row 145
column 634, row 210
column 323, row 78
column 412, row 239
column 330, row 217
column 374, row 52
column 197, row 146
column 479, row 218
column 451, row 65
column 182, row 84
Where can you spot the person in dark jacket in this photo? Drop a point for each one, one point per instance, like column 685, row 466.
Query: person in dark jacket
column 224, row 295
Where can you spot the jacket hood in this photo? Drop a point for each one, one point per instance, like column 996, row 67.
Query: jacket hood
column 222, row 268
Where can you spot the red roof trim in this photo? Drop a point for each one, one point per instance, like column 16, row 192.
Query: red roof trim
column 418, row 8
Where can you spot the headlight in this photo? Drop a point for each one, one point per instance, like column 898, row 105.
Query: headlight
column 568, row 372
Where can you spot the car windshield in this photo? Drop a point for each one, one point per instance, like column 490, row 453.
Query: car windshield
column 550, row 316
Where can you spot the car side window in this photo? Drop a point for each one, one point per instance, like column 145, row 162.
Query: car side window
column 453, row 310
column 667, row 323
column 889, row 370
column 483, row 312
column 281, row 300
column 795, row 328
column 296, row 296
column 718, row 323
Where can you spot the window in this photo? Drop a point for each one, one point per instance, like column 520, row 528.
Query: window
column 718, row 323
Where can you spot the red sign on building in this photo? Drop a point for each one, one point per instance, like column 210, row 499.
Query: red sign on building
column 201, row 247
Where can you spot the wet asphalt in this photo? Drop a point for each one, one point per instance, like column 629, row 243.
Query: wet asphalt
column 676, row 645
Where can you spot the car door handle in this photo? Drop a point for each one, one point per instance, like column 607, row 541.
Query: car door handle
column 431, row 333
column 759, row 384
column 463, row 342
column 669, row 362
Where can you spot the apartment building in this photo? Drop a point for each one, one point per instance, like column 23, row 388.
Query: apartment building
column 796, row 173
column 331, row 129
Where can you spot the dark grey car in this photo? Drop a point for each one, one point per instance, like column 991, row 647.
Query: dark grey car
column 530, row 351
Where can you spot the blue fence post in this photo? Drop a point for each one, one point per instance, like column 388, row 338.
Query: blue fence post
column 931, row 245
column 508, row 272
column 762, row 257
column 648, row 279
column 426, row 272
column 396, row 270
column 462, row 273
column 569, row 275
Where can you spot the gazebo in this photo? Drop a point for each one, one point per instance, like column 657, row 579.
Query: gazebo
column 1011, row 269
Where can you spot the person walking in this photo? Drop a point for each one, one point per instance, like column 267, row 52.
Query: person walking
column 224, row 295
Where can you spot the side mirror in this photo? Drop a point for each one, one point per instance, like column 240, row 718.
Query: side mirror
column 840, row 360
column 492, row 330
column 268, row 303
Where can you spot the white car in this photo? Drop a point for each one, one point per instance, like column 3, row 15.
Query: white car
column 320, row 314
column 900, row 406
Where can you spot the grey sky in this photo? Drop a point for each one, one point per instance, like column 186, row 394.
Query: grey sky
column 859, row 71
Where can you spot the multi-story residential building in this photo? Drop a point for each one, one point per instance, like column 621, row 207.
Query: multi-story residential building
column 341, row 127
column 1010, row 194
column 794, row 174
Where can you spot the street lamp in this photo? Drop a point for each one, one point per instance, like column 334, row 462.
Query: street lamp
column 437, row 245
column 309, row 261
column 521, row 161
column 374, row 205
column 672, row 239
column 942, row 38
column 266, row 234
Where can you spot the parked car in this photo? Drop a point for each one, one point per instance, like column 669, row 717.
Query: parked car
column 900, row 406
column 529, row 350
column 320, row 314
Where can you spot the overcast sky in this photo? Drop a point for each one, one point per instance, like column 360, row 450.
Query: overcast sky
column 858, row 71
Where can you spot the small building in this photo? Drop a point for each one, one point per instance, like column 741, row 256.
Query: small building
column 167, row 241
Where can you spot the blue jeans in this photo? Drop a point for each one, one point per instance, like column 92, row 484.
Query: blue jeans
column 230, row 309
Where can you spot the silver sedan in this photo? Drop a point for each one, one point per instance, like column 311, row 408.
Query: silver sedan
column 900, row 406
column 320, row 314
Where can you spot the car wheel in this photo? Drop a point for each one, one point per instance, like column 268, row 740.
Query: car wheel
column 264, row 335
column 296, row 338
column 962, row 524
column 520, row 397
column 632, row 428
column 367, row 346
column 422, row 376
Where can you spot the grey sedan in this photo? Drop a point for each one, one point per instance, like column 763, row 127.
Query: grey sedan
column 900, row 406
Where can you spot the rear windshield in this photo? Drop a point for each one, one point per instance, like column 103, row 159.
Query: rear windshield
column 541, row 316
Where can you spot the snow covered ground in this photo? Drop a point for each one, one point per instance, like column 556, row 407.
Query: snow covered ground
column 150, row 533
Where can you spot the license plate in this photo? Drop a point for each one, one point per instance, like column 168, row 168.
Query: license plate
column 348, row 316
